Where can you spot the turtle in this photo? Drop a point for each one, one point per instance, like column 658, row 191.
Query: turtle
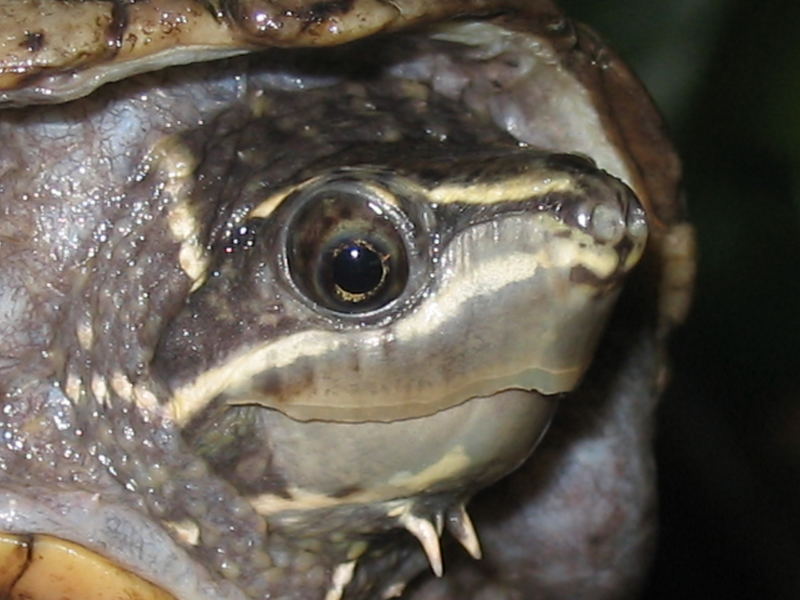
column 329, row 299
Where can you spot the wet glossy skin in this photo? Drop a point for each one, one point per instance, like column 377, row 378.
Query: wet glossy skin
column 100, row 253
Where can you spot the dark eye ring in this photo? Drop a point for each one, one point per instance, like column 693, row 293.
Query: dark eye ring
column 346, row 252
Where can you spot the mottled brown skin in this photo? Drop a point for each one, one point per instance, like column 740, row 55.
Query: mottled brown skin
column 575, row 522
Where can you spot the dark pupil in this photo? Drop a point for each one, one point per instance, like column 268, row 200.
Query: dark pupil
column 357, row 268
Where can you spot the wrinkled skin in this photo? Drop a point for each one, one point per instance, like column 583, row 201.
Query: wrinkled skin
column 84, row 242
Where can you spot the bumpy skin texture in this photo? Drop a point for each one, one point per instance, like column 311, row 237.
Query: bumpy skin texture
column 90, row 272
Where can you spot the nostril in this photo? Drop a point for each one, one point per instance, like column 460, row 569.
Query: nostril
column 607, row 223
column 636, row 221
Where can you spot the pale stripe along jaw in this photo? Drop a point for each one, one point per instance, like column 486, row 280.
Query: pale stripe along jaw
column 539, row 241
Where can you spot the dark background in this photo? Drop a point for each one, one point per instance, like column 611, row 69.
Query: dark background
column 726, row 74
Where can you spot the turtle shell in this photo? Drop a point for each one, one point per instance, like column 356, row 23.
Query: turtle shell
column 54, row 51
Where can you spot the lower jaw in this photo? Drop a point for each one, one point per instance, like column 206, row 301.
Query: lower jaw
column 460, row 450
column 39, row 565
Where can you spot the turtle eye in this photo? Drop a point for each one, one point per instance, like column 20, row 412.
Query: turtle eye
column 345, row 251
